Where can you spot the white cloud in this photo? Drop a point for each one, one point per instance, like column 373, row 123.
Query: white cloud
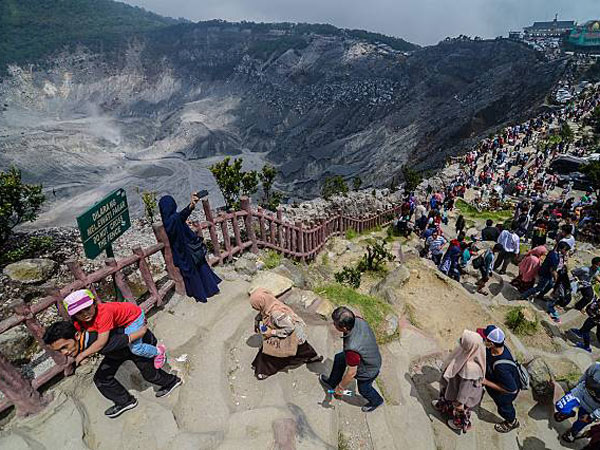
column 420, row 21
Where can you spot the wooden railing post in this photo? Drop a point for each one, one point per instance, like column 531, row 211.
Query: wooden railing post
column 272, row 229
column 37, row 330
column 147, row 274
column 225, row 232
column 78, row 273
column 245, row 202
column 19, row 391
column 301, row 245
column 261, row 224
column 212, row 228
column 121, row 282
column 280, row 228
column 172, row 270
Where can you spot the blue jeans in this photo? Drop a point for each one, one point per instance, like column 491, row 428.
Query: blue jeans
column 578, row 425
column 365, row 387
column 543, row 287
column 138, row 347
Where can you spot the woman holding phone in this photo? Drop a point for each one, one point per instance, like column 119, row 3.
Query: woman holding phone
column 189, row 251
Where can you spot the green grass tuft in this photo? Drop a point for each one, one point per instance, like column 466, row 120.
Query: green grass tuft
column 272, row 259
column 515, row 320
column 372, row 309
column 351, row 234
column 470, row 212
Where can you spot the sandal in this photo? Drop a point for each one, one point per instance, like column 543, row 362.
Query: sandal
column 506, row 427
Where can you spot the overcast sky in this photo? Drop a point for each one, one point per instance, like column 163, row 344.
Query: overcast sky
column 420, row 21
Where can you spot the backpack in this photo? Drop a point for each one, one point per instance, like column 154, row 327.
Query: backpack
column 478, row 262
column 523, row 380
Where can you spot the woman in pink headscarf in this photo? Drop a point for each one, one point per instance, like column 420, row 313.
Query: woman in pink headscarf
column 529, row 267
column 462, row 381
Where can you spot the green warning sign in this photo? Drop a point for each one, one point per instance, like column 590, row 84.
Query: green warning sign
column 103, row 223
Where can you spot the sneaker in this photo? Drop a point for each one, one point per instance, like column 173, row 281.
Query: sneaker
column 370, row 408
column 568, row 436
column 163, row 392
column 117, row 410
column 576, row 332
column 506, row 427
column 161, row 358
column 555, row 317
column 325, row 382
column 582, row 346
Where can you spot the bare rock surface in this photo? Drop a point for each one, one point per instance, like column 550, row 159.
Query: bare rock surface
column 30, row 271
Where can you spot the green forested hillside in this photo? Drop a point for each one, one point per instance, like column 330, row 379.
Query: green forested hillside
column 30, row 29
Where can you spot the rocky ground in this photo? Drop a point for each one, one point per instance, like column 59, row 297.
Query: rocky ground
column 221, row 404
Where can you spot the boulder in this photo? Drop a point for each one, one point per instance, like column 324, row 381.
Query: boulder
column 292, row 271
column 541, row 378
column 388, row 288
column 17, row 343
column 246, row 265
column 301, row 298
column 391, row 324
column 272, row 282
column 324, row 309
column 30, row 271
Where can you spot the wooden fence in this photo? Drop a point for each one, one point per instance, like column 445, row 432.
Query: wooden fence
column 228, row 234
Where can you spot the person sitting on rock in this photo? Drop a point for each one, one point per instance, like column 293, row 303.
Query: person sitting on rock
column 277, row 322
column 360, row 359
column 65, row 339
column 501, row 377
column 462, row 381
column 586, row 397
column 89, row 315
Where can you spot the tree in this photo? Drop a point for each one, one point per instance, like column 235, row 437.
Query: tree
column 412, row 178
column 356, row 183
column 592, row 170
column 271, row 199
column 150, row 204
column 333, row 186
column 229, row 179
column 19, row 202
column 249, row 183
column 566, row 133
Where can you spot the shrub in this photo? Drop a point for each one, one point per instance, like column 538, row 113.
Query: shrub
column 356, row 183
column 517, row 321
column 27, row 249
column 272, row 259
column 333, row 186
column 411, row 178
column 150, row 204
column 350, row 276
column 377, row 254
column 271, row 199
column 19, row 202
column 351, row 233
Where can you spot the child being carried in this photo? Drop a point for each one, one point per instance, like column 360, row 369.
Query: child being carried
column 89, row 315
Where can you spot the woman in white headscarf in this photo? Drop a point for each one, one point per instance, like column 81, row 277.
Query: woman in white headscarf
column 461, row 382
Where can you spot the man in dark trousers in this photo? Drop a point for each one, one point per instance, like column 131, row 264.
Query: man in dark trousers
column 360, row 359
column 64, row 338
column 501, row 377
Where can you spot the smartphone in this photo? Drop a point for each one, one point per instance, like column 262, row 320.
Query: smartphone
column 201, row 194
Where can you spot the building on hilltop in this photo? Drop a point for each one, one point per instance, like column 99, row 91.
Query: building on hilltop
column 555, row 28
column 585, row 38
column 515, row 35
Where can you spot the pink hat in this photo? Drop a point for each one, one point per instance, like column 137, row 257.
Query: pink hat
column 78, row 300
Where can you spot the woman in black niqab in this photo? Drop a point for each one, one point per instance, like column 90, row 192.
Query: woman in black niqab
column 200, row 281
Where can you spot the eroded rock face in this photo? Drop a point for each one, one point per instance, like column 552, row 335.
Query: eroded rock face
column 541, row 378
column 272, row 282
column 389, row 288
column 30, row 271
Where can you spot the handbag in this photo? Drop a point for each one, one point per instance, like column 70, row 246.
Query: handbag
column 198, row 251
column 281, row 347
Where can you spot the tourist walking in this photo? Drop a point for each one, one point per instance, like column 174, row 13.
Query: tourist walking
column 548, row 273
column 501, row 377
column 586, row 397
column 189, row 250
column 462, row 381
column 284, row 336
column 484, row 263
column 510, row 242
column 585, row 277
column 529, row 268
column 64, row 338
column 360, row 359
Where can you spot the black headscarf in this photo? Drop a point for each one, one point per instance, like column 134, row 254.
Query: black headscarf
column 179, row 233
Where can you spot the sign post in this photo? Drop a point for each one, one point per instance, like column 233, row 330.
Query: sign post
column 104, row 223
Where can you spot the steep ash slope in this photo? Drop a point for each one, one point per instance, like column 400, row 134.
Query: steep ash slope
column 314, row 100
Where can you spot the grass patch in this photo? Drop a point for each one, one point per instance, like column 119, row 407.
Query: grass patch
column 351, row 234
column 272, row 259
column 372, row 309
column 411, row 314
column 570, row 379
column 516, row 320
column 470, row 212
